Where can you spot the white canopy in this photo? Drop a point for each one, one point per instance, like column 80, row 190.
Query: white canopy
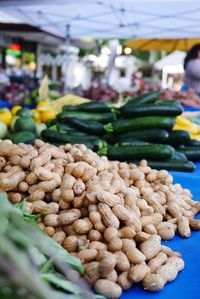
column 173, row 59
column 109, row 18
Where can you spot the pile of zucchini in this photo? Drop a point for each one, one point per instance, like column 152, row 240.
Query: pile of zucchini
column 140, row 129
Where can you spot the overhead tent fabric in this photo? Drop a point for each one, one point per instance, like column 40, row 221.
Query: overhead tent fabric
column 109, row 18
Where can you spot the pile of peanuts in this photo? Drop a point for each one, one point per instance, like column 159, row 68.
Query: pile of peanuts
column 112, row 215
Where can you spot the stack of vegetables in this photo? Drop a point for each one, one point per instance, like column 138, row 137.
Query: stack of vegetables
column 142, row 128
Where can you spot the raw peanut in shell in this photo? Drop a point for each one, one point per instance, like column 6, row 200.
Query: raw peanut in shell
column 184, row 227
column 108, row 198
column 157, row 261
column 82, row 226
column 10, row 183
column 91, row 273
column 194, row 224
column 124, row 281
column 122, row 263
column 154, row 219
column 95, row 217
column 141, row 237
column 137, row 272
column 115, row 244
column 168, row 272
column 79, row 187
column 94, row 235
column 121, row 212
column 59, row 237
column 169, row 252
column 99, row 246
column 71, row 243
column 23, row 186
column 68, row 195
column 69, row 217
column 135, row 256
column 108, row 288
column 166, row 230
column 150, row 229
column 87, row 255
column 153, row 282
column 106, row 265
column 108, row 216
column 112, row 276
column 177, row 261
column 49, row 230
column 43, row 174
column 151, row 247
column 126, row 232
column 110, row 233
column 51, row 220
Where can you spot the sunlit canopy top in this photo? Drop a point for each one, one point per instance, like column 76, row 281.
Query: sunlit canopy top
column 109, row 18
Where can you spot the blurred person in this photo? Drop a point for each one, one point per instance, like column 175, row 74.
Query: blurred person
column 4, row 79
column 192, row 69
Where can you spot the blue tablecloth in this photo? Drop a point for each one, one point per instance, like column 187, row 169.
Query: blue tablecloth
column 187, row 284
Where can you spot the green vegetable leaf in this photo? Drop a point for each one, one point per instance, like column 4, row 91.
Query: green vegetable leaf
column 61, row 282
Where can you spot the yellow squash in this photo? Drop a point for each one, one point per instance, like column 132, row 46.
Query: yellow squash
column 5, row 116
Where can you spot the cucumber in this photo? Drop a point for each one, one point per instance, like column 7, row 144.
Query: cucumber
column 139, row 123
column 22, row 137
column 179, row 156
column 68, row 129
column 145, row 98
column 169, row 102
column 149, row 151
column 131, row 143
column 50, row 136
column 191, row 152
column 51, row 122
column 145, row 110
column 155, row 135
column 194, row 142
column 90, row 107
column 93, row 127
column 173, row 165
column 178, row 137
column 100, row 117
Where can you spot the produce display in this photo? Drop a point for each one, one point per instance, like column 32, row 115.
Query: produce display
column 187, row 98
column 111, row 215
column 33, row 265
column 102, row 92
column 143, row 128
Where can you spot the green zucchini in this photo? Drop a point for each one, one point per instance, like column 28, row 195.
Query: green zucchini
column 51, row 122
column 88, row 126
column 179, row 156
column 50, row 136
column 169, row 102
column 68, row 129
column 149, row 151
column 131, row 143
column 194, row 142
column 150, row 110
column 172, row 165
column 178, row 137
column 191, row 152
column 155, row 135
column 100, row 117
column 90, row 107
column 145, row 98
column 140, row 123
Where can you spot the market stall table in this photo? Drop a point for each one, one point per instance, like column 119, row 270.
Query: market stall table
column 187, row 283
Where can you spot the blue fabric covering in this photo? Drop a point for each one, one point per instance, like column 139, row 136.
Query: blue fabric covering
column 187, row 284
